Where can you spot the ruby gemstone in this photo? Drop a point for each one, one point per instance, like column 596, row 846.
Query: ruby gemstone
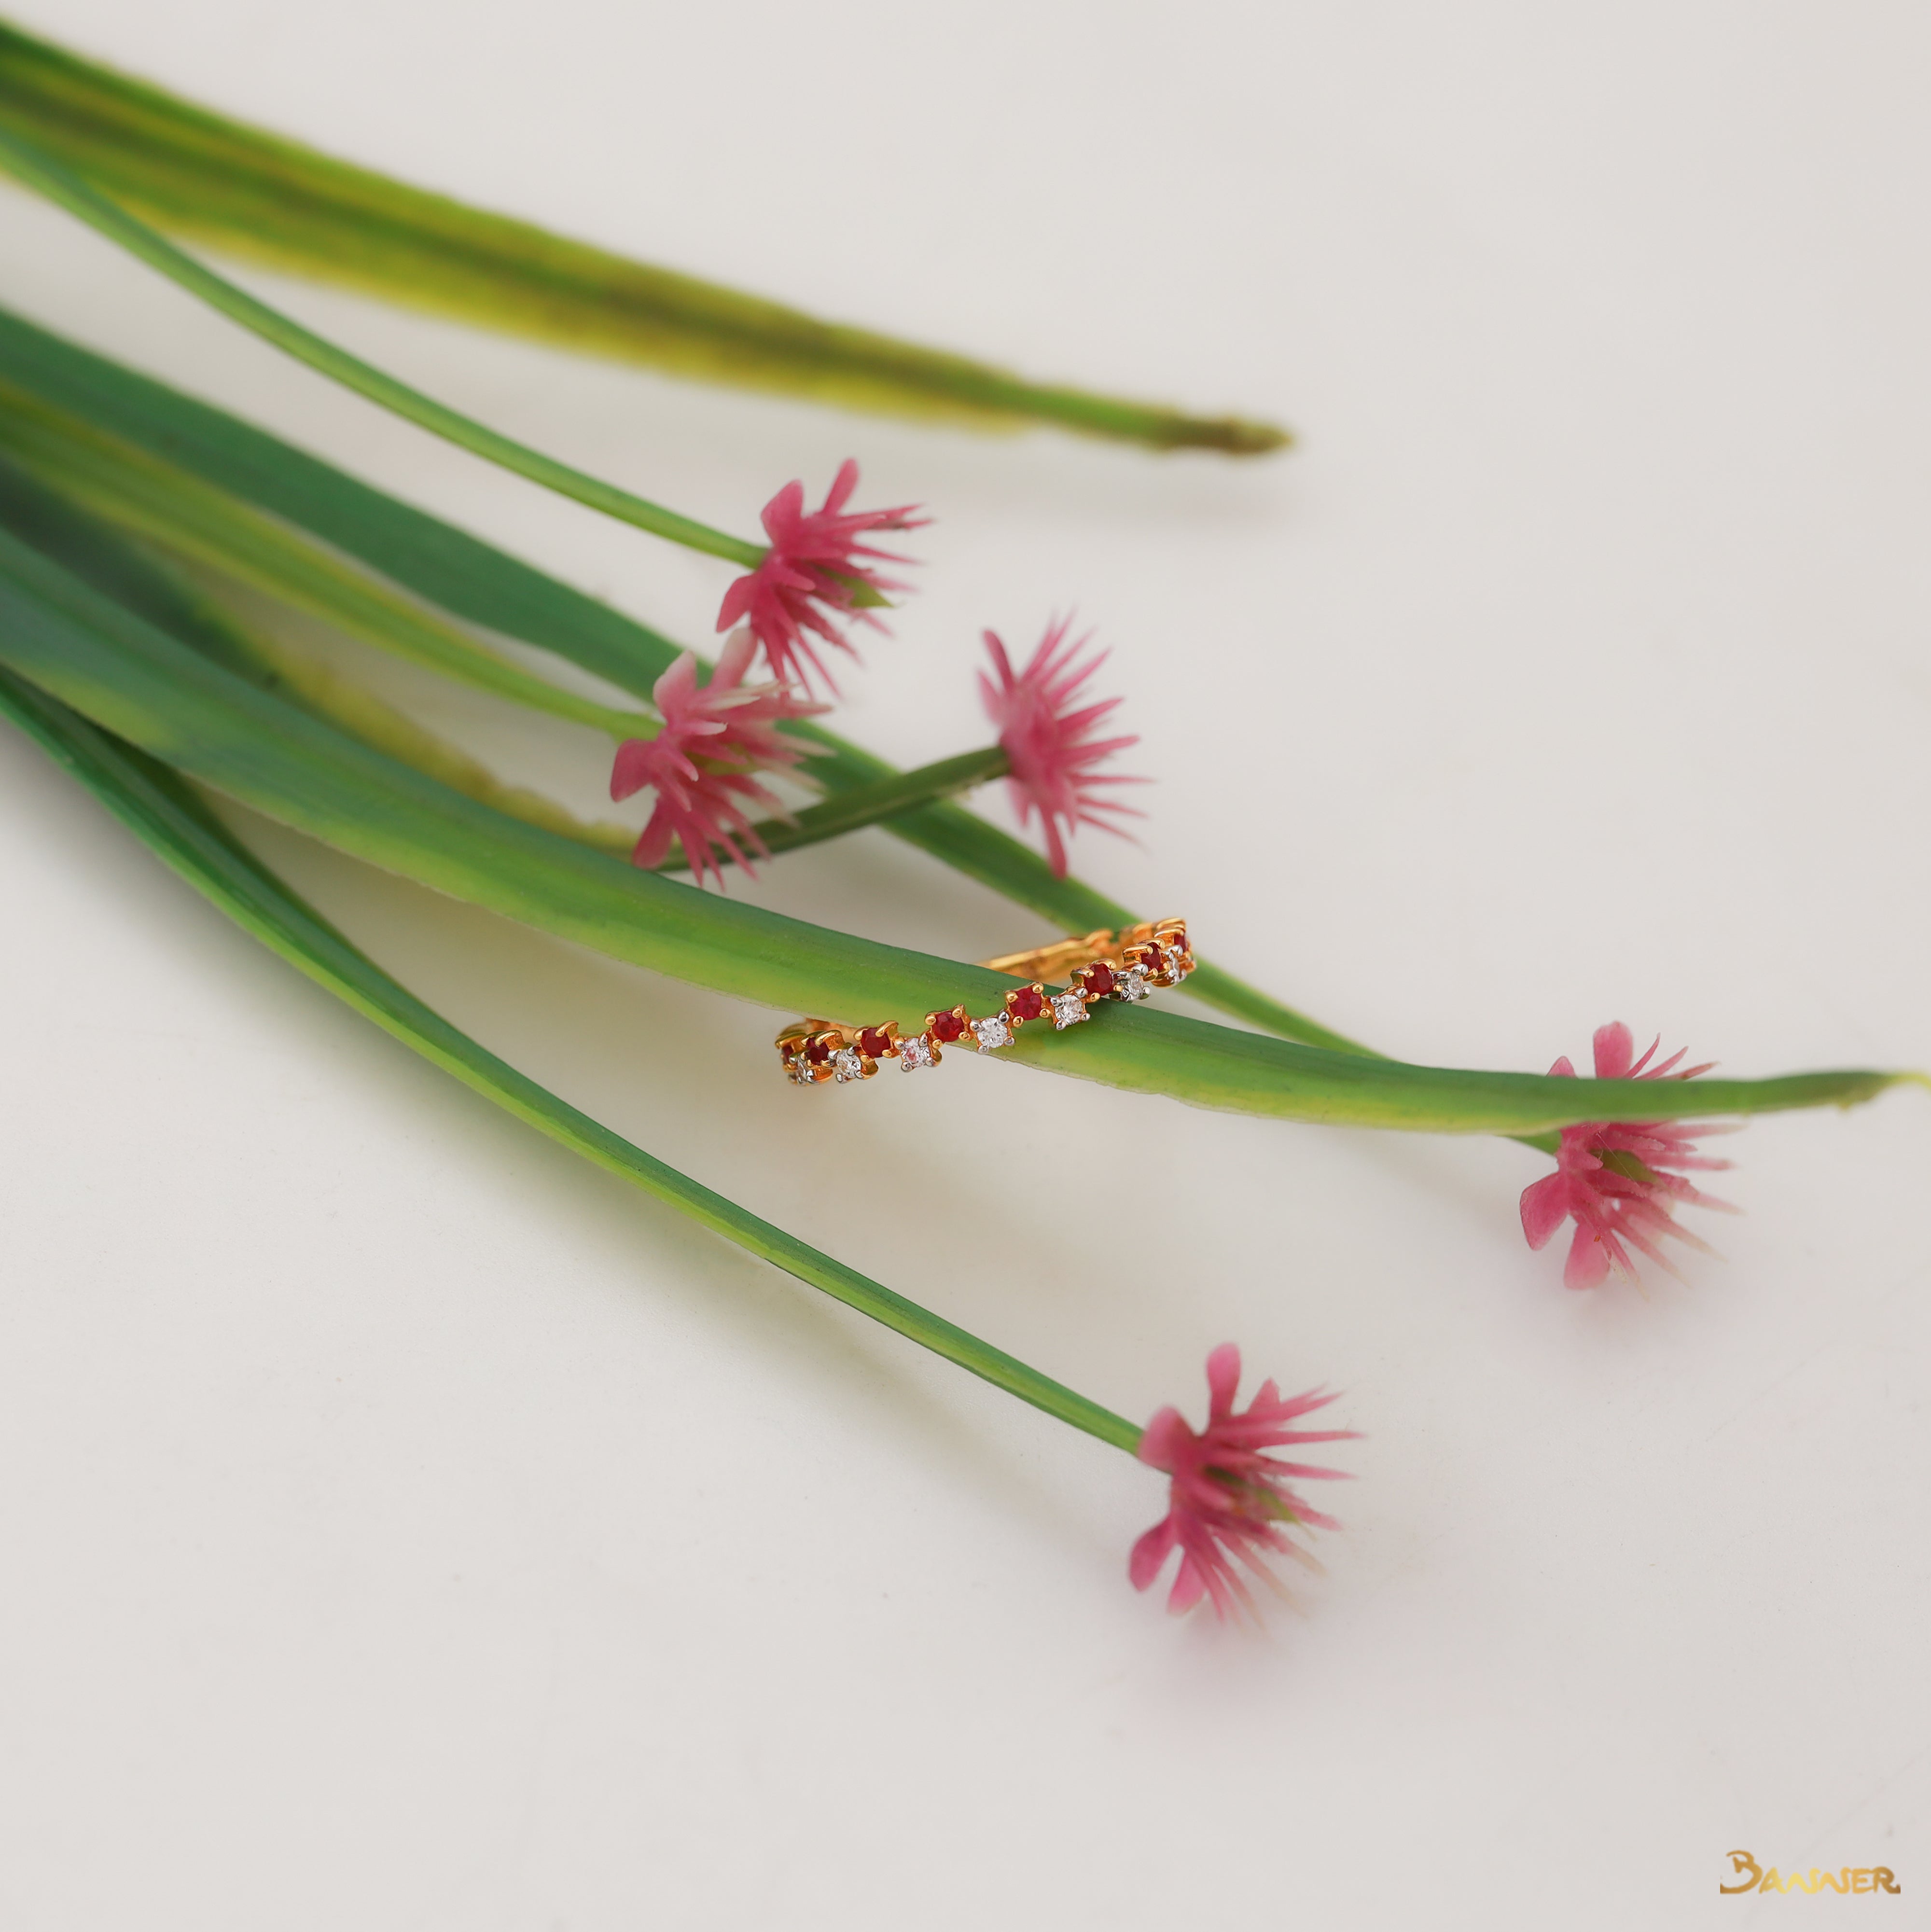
column 1027, row 1004
column 1100, row 980
column 948, row 1027
column 874, row 1043
column 817, row 1051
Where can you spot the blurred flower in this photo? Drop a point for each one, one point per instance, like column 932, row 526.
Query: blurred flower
column 1620, row 1181
column 1228, row 1501
column 1049, row 744
column 716, row 739
column 812, row 569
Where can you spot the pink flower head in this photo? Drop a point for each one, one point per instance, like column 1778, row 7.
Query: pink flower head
column 1620, row 1181
column 716, row 739
column 1227, row 1500
column 812, row 568
column 1047, row 737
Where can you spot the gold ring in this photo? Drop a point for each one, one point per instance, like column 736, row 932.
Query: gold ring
column 1126, row 965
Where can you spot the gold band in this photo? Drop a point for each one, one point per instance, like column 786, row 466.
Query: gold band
column 1125, row 965
column 1064, row 956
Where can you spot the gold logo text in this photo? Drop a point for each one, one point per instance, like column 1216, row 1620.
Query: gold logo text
column 1850, row 1878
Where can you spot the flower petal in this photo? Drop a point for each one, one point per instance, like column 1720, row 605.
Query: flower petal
column 1190, row 1585
column 1223, row 1381
column 1545, row 1207
column 1165, row 1440
column 1150, row 1552
column 1615, row 1051
column 1588, row 1263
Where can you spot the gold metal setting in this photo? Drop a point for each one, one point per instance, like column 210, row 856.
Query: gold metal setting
column 1125, row 965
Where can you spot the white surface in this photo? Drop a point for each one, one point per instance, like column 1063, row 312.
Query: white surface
column 406, row 1527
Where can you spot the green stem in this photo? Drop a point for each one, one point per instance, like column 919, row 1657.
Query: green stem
column 67, row 190
column 245, row 192
column 156, row 805
column 872, row 805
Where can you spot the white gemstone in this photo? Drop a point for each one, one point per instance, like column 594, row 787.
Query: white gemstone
column 1068, row 1010
column 992, row 1034
column 846, row 1065
column 914, row 1053
column 798, row 1068
column 1131, row 985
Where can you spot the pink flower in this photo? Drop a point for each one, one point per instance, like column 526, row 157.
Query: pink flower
column 1227, row 1500
column 1049, row 744
column 715, row 740
column 1620, row 1181
column 813, row 568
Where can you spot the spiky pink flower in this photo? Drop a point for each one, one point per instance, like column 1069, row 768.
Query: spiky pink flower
column 1228, row 1502
column 1048, row 736
column 703, row 765
column 815, row 567
column 1620, row 1181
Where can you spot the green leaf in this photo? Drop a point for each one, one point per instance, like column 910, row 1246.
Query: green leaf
column 61, row 529
column 138, row 683
column 947, row 832
column 68, row 190
column 167, row 505
column 434, row 559
column 162, row 811
column 195, row 173
column 94, row 553
column 487, row 586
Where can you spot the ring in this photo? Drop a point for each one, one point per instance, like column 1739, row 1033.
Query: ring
column 1127, row 966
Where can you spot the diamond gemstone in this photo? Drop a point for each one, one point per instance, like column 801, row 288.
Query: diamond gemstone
column 1068, row 1010
column 1131, row 985
column 914, row 1053
column 992, row 1034
column 846, row 1065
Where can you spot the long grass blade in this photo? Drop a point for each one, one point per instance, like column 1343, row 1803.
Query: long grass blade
column 167, row 505
column 251, row 194
column 136, row 681
column 166, row 816
column 98, row 554
column 68, row 190
column 485, row 586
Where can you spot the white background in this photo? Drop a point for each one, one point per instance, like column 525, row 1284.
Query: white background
column 406, row 1526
